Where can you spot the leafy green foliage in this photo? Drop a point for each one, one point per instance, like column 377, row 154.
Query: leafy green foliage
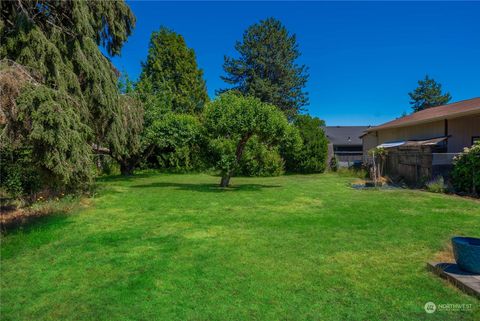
column 43, row 137
column 466, row 170
column 173, row 139
column 231, row 121
column 109, row 25
column 266, row 67
column 260, row 160
column 172, row 74
column 428, row 94
column 310, row 154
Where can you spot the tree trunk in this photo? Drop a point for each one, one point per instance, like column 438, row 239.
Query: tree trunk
column 241, row 146
column 225, row 181
column 99, row 163
column 126, row 168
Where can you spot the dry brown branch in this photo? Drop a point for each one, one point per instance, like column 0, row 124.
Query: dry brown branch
column 13, row 78
column 100, row 149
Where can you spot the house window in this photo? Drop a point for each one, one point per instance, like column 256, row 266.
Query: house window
column 475, row 139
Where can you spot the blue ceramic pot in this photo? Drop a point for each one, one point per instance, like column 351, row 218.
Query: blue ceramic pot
column 467, row 253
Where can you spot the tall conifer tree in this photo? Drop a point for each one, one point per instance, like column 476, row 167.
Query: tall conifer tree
column 266, row 67
column 171, row 73
column 428, row 94
column 67, row 98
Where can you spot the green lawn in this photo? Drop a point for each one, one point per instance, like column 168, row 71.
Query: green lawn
column 175, row 247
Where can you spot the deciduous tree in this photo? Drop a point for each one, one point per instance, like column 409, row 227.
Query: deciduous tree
column 172, row 140
column 231, row 121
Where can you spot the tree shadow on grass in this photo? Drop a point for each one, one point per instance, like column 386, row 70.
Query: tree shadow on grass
column 116, row 178
column 44, row 229
column 27, row 224
column 206, row 188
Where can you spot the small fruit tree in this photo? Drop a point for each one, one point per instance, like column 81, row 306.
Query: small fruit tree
column 229, row 123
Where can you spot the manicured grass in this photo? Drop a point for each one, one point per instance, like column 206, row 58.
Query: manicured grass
column 175, row 247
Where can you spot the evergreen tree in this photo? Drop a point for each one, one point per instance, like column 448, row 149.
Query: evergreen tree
column 66, row 98
column 129, row 125
column 266, row 67
column 172, row 74
column 173, row 92
column 43, row 140
column 428, row 94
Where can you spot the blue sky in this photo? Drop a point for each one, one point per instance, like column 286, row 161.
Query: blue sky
column 363, row 57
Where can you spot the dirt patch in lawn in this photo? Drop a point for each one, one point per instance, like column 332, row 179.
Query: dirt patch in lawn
column 446, row 255
column 12, row 217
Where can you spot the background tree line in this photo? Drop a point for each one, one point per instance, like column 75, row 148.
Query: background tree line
column 67, row 115
column 236, row 132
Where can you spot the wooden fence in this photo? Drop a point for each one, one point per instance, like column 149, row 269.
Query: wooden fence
column 417, row 165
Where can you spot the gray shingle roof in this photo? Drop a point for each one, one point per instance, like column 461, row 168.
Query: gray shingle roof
column 345, row 135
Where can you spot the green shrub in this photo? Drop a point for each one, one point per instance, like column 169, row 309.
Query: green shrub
column 175, row 139
column 108, row 166
column 18, row 176
column 309, row 155
column 466, row 170
column 13, row 183
column 437, row 185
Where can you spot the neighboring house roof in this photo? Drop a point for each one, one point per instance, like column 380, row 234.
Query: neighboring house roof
column 344, row 135
column 454, row 110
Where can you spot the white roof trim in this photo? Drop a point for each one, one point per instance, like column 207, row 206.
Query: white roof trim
column 390, row 145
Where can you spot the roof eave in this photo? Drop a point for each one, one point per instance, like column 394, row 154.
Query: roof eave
column 423, row 121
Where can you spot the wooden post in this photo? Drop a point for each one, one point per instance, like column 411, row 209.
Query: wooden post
column 416, row 168
column 474, row 190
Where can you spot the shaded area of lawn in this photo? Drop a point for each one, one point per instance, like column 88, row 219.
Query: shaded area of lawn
column 205, row 187
column 176, row 247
